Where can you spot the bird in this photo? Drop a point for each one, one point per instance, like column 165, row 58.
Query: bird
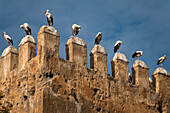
column 137, row 54
column 117, row 45
column 161, row 60
column 98, row 38
column 27, row 28
column 130, row 78
column 75, row 29
column 49, row 17
column 8, row 39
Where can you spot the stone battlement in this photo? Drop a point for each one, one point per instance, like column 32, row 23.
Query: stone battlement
column 47, row 83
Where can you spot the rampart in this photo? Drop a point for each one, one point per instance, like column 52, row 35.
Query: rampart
column 47, row 83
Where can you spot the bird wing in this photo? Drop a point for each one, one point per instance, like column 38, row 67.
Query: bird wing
column 76, row 30
column 8, row 37
column 51, row 18
column 116, row 43
column 28, row 26
column 116, row 48
column 28, row 30
column 134, row 55
column 96, row 40
column 161, row 58
column 159, row 61
column 10, row 40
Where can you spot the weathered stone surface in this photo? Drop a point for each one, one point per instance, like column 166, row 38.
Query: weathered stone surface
column 120, row 70
column 8, row 62
column 48, row 43
column 27, row 38
column 140, row 74
column 98, row 60
column 50, row 84
column 76, row 50
column 27, row 50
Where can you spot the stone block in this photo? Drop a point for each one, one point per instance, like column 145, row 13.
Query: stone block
column 160, row 80
column 98, row 59
column 8, row 62
column 120, row 69
column 27, row 50
column 76, row 50
column 48, row 42
column 140, row 74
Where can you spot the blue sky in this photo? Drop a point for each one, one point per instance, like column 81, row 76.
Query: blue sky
column 141, row 25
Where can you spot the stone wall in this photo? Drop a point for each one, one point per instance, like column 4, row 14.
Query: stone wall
column 47, row 83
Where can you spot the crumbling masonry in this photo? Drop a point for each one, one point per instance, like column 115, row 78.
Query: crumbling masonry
column 47, row 83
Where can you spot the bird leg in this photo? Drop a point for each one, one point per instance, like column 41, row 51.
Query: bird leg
column 117, row 50
column 7, row 44
column 161, row 65
column 138, row 58
column 73, row 36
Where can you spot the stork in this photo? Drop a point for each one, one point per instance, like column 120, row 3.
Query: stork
column 8, row 39
column 27, row 28
column 130, row 78
column 137, row 54
column 49, row 17
column 75, row 29
column 161, row 60
column 117, row 45
column 98, row 38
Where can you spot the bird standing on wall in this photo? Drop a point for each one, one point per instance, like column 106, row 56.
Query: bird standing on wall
column 49, row 17
column 130, row 78
column 161, row 60
column 8, row 39
column 75, row 29
column 27, row 28
column 137, row 54
column 98, row 38
column 117, row 45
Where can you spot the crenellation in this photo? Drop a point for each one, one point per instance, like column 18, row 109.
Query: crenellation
column 76, row 50
column 98, row 59
column 48, row 83
column 161, row 81
column 9, row 61
column 27, row 50
column 48, row 43
column 120, row 69
column 140, row 74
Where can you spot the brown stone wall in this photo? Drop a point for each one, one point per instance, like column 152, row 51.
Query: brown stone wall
column 8, row 63
column 63, row 86
column 120, row 71
column 26, row 53
column 76, row 51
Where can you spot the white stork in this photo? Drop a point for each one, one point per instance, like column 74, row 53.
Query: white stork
column 117, row 45
column 161, row 60
column 49, row 17
column 137, row 54
column 8, row 39
column 75, row 29
column 130, row 78
column 98, row 38
column 27, row 28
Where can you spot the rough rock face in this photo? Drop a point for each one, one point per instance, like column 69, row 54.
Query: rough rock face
column 50, row 84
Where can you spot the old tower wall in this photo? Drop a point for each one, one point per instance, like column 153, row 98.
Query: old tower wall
column 50, row 84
